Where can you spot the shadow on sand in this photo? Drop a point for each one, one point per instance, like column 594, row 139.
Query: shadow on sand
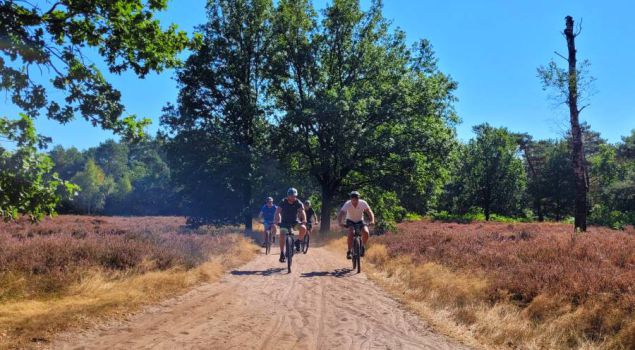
column 267, row 272
column 335, row 273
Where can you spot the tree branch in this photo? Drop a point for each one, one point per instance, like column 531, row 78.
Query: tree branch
column 52, row 9
column 583, row 107
column 564, row 58
column 579, row 30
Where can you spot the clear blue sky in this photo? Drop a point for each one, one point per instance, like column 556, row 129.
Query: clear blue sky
column 492, row 48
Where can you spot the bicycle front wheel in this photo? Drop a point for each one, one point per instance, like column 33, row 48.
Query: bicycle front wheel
column 357, row 262
column 289, row 246
column 268, row 242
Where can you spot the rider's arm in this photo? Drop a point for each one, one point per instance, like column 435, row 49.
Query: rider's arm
column 371, row 215
column 340, row 216
column 260, row 215
column 302, row 215
column 276, row 216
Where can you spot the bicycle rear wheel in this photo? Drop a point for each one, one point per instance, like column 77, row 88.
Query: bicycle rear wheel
column 305, row 243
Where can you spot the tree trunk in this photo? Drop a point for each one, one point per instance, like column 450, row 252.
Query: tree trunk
column 247, row 206
column 487, row 213
column 576, row 133
column 539, row 211
column 327, row 208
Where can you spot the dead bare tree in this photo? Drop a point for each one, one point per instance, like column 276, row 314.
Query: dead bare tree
column 569, row 84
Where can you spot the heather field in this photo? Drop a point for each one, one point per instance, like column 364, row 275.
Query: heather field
column 530, row 286
column 71, row 269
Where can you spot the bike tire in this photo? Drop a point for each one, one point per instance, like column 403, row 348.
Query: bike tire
column 268, row 243
column 305, row 245
column 289, row 247
column 357, row 262
column 353, row 259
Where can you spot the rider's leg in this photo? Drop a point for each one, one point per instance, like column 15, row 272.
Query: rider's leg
column 365, row 234
column 350, row 238
column 281, row 241
column 274, row 230
column 302, row 229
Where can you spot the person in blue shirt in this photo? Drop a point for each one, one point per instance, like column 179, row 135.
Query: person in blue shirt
column 267, row 213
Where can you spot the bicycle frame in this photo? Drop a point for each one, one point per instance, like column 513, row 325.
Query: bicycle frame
column 357, row 244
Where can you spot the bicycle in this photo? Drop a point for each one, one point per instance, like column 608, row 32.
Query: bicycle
column 358, row 245
column 289, row 244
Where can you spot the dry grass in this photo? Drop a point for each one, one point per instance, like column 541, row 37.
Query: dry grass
column 526, row 286
column 78, row 292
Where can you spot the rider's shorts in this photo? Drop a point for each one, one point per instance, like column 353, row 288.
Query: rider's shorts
column 293, row 225
column 350, row 223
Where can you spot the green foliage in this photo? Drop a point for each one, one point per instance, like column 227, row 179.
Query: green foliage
column 358, row 108
column 118, row 178
column 217, row 134
column 602, row 215
column 124, row 32
column 386, row 207
column 492, row 173
column 95, row 186
column 476, row 214
column 27, row 184
column 55, row 40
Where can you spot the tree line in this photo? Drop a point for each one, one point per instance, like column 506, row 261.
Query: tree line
column 498, row 174
column 274, row 95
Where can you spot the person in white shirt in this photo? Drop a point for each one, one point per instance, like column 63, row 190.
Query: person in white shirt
column 353, row 210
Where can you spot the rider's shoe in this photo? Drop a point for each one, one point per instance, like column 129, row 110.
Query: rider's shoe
column 349, row 255
column 362, row 251
column 297, row 246
column 281, row 258
column 264, row 244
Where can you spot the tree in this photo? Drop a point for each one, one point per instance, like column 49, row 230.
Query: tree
column 626, row 149
column 356, row 105
column 493, row 174
column 569, row 85
column 55, row 41
column 124, row 32
column 94, row 185
column 27, row 184
column 137, row 175
column 556, row 181
column 67, row 162
column 218, row 132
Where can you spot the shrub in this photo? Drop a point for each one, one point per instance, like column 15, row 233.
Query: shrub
column 548, row 272
column 46, row 258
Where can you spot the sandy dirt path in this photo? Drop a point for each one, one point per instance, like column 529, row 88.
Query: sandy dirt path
column 320, row 305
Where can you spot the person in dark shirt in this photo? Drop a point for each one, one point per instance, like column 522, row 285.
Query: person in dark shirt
column 290, row 211
column 311, row 217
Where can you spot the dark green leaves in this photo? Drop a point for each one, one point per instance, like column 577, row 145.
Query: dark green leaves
column 27, row 185
column 54, row 41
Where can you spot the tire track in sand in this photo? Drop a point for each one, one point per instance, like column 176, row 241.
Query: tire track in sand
column 320, row 305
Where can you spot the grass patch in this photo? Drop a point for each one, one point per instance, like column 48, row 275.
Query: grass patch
column 54, row 279
column 528, row 286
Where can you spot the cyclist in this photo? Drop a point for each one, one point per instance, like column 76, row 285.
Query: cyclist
column 311, row 217
column 267, row 213
column 290, row 211
column 353, row 210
